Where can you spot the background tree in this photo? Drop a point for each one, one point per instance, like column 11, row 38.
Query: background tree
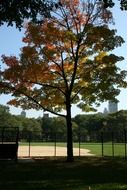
column 15, row 11
column 117, row 122
column 89, row 126
column 24, row 124
column 66, row 61
column 6, row 119
column 111, row 3
column 55, row 127
column 4, row 116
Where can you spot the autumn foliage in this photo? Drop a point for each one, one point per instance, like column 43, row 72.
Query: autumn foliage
column 66, row 60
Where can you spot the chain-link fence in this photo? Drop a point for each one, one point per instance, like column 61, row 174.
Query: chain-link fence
column 37, row 143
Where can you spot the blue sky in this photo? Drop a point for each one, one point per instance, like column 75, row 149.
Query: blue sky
column 11, row 42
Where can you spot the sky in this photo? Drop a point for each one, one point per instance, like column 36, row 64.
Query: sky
column 11, row 43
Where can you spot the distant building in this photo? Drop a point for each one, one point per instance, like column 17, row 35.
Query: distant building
column 45, row 115
column 23, row 113
column 105, row 111
column 112, row 107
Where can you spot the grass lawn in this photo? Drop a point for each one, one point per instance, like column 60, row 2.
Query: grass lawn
column 86, row 173
column 96, row 148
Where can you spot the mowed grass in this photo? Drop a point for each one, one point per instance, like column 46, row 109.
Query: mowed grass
column 85, row 173
column 118, row 149
column 109, row 149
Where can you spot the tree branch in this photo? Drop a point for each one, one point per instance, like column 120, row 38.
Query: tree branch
column 11, row 88
column 76, row 94
column 46, row 85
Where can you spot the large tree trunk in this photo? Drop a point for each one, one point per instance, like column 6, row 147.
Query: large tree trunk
column 70, row 157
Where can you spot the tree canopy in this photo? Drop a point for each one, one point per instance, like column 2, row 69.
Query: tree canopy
column 66, row 60
column 15, row 11
column 111, row 3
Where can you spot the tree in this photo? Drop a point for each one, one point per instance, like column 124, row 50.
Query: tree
column 4, row 109
column 111, row 3
column 89, row 122
column 6, row 119
column 66, row 61
column 4, row 115
column 15, row 11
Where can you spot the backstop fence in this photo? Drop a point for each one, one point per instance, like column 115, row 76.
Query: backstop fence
column 9, row 142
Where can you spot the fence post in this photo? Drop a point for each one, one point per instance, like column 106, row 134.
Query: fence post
column 125, row 141
column 29, row 143
column 102, row 143
column 79, row 144
column 55, row 144
column 112, row 144
column 2, row 135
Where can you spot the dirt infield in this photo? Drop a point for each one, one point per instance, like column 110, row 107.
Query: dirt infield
column 49, row 151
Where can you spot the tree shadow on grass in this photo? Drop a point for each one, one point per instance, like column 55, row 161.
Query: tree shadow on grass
column 47, row 174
